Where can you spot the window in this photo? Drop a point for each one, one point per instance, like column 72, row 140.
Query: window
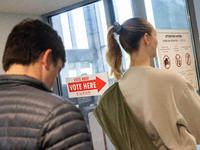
column 123, row 10
column 168, row 14
column 84, row 31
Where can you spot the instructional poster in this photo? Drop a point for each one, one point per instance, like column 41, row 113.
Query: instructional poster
column 175, row 53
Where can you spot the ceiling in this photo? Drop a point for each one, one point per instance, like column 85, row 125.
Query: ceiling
column 34, row 7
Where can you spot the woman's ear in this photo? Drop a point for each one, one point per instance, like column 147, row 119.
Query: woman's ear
column 146, row 39
column 46, row 58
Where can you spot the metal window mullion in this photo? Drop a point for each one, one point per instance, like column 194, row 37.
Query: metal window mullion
column 72, row 29
column 139, row 8
column 195, row 34
column 109, row 12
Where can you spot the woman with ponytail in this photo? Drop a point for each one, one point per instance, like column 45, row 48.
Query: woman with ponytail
column 129, row 37
column 164, row 103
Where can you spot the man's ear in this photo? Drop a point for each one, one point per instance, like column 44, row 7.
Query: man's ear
column 46, row 58
column 146, row 39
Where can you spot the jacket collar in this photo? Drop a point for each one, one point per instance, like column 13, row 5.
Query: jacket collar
column 23, row 80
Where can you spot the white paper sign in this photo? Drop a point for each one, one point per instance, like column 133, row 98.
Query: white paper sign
column 175, row 53
column 87, row 85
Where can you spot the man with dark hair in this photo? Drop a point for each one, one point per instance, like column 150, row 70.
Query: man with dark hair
column 31, row 116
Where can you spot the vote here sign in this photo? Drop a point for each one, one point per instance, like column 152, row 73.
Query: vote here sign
column 87, row 85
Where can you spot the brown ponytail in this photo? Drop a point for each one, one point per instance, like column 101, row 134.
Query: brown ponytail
column 114, row 55
column 130, row 34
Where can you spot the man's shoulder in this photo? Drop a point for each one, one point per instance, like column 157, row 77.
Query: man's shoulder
column 60, row 101
column 61, row 107
column 51, row 100
column 37, row 97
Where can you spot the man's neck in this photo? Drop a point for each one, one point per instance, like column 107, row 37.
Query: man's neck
column 30, row 70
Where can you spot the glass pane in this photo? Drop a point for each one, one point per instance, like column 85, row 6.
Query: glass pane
column 168, row 14
column 123, row 10
column 83, row 30
column 80, row 29
column 66, row 32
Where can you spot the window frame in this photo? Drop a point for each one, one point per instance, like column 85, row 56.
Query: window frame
column 195, row 36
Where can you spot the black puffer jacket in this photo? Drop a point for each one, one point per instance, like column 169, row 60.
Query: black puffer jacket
column 33, row 118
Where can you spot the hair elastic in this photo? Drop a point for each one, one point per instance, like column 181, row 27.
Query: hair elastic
column 117, row 28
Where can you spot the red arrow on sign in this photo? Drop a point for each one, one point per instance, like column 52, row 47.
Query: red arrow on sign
column 96, row 84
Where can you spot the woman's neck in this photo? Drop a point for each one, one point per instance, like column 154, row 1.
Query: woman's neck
column 139, row 58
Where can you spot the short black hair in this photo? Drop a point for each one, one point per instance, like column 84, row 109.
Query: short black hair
column 28, row 40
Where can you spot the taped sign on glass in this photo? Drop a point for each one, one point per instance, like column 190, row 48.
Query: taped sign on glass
column 175, row 53
column 87, row 85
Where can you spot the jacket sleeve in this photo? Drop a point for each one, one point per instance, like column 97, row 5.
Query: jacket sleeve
column 65, row 128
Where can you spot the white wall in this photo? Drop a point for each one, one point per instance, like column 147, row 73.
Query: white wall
column 7, row 22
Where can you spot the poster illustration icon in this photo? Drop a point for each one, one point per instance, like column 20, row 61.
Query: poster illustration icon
column 178, row 60
column 188, row 59
column 166, row 62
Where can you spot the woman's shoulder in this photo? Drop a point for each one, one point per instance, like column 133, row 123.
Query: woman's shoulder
column 151, row 71
column 168, row 74
column 159, row 76
column 168, row 77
